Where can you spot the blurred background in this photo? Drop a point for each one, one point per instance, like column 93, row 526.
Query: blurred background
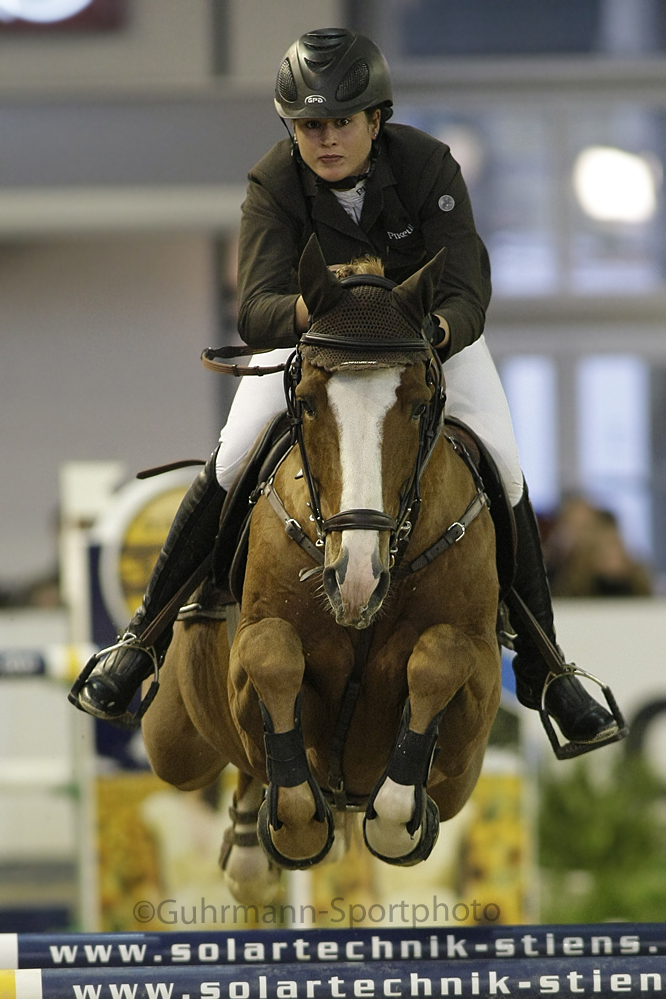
column 127, row 128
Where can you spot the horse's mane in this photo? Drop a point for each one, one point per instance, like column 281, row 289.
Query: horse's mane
column 361, row 265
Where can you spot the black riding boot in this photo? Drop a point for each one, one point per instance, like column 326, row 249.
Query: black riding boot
column 120, row 670
column 579, row 717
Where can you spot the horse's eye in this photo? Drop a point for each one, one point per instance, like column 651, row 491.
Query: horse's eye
column 418, row 410
column 308, row 407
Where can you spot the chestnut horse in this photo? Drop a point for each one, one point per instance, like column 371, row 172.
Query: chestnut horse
column 365, row 669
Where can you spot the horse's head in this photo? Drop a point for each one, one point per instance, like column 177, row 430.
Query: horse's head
column 369, row 398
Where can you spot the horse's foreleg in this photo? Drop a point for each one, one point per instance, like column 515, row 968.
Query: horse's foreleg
column 453, row 669
column 453, row 683
column 295, row 823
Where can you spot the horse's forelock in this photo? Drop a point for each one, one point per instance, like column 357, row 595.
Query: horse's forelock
column 361, row 265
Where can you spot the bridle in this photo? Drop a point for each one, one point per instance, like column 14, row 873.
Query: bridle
column 430, row 427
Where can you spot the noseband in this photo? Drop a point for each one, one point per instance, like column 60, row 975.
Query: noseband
column 430, row 426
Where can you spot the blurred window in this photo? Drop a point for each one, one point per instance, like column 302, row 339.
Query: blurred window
column 530, row 383
column 517, row 28
column 614, row 441
column 567, row 196
column 616, row 416
column 489, row 27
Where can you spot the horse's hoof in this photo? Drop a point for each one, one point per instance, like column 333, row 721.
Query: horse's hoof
column 429, row 833
column 292, row 863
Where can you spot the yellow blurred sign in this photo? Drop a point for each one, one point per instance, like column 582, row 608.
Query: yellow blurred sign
column 142, row 543
column 130, row 534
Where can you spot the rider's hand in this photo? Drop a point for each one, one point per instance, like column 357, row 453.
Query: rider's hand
column 436, row 331
column 301, row 316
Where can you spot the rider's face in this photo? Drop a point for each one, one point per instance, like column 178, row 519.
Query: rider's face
column 336, row 148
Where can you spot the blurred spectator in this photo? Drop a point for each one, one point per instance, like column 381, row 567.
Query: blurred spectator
column 586, row 557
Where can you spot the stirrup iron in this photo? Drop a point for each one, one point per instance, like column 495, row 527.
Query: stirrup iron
column 128, row 721
column 569, row 750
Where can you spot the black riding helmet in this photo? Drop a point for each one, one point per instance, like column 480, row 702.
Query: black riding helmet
column 333, row 73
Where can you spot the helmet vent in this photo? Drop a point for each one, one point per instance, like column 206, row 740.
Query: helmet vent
column 331, row 38
column 318, row 65
column 286, row 83
column 354, row 82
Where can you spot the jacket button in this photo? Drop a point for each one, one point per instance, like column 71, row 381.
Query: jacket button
column 446, row 203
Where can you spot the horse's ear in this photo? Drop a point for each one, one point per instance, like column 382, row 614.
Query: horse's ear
column 416, row 296
column 319, row 286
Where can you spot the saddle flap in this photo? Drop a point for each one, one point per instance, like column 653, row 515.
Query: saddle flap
column 500, row 506
column 268, row 449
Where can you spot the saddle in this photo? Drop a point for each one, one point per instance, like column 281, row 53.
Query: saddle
column 224, row 583
column 231, row 546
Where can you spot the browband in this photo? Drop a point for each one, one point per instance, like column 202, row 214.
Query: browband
column 375, row 279
column 311, row 339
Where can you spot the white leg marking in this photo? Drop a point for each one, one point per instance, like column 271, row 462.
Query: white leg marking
column 248, row 874
column 387, row 834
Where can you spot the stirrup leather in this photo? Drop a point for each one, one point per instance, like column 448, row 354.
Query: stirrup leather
column 129, row 721
column 573, row 748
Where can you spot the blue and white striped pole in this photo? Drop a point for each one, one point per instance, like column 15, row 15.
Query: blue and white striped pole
column 529, row 978
column 460, row 944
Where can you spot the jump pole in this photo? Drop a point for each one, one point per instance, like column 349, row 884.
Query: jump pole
column 454, row 944
column 488, row 961
column 603, row 977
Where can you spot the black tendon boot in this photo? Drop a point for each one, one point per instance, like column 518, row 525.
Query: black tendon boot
column 580, row 718
column 110, row 680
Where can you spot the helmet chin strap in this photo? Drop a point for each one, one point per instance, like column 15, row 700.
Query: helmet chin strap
column 292, row 138
column 347, row 183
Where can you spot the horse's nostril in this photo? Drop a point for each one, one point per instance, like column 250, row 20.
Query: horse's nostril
column 331, row 584
column 338, row 569
column 382, row 586
column 378, row 568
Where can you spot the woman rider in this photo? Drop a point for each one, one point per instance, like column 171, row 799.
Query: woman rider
column 363, row 186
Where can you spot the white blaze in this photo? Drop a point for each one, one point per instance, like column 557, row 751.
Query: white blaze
column 360, row 402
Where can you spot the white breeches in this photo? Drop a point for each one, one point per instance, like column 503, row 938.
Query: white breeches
column 474, row 395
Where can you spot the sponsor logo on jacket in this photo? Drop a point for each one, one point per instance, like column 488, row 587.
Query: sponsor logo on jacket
column 401, row 235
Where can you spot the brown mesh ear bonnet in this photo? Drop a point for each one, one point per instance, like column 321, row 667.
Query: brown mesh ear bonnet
column 363, row 330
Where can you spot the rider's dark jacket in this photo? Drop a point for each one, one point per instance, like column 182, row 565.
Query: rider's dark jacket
column 416, row 202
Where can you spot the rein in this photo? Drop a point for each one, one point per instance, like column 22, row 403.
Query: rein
column 210, row 359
